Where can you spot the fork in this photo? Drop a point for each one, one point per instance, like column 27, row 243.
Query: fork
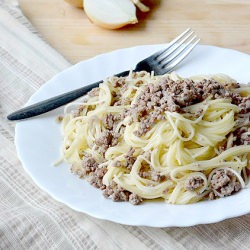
column 161, row 62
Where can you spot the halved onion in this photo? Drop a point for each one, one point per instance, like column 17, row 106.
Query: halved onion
column 111, row 14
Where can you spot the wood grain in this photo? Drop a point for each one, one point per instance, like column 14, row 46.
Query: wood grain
column 224, row 23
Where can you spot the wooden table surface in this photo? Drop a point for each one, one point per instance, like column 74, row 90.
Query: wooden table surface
column 224, row 23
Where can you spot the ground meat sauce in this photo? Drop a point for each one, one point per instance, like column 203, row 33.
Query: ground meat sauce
column 119, row 194
column 169, row 95
column 129, row 160
column 245, row 105
column 194, row 183
column 223, row 184
column 242, row 136
column 149, row 107
column 106, row 140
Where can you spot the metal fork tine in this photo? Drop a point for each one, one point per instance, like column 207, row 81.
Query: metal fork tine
column 180, row 58
column 173, row 42
column 178, row 50
column 177, row 46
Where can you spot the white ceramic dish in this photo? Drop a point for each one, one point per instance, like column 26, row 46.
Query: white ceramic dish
column 38, row 142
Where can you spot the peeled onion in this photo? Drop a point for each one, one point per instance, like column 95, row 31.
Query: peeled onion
column 111, row 14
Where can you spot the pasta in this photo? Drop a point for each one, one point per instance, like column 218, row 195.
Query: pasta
column 146, row 137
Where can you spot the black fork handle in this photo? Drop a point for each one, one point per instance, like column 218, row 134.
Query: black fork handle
column 55, row 102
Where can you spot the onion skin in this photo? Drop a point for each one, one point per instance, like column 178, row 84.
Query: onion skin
column 76, row 3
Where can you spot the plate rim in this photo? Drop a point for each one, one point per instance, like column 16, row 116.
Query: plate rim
column 32, row 99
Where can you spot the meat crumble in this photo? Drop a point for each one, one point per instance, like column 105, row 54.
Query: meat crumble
column 223, row 184
column 194, row 183
column 119, row 194
column 242, row 136
column 129, row 160
column 106, row 140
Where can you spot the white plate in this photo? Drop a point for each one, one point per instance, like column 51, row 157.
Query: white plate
column 38, row 142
